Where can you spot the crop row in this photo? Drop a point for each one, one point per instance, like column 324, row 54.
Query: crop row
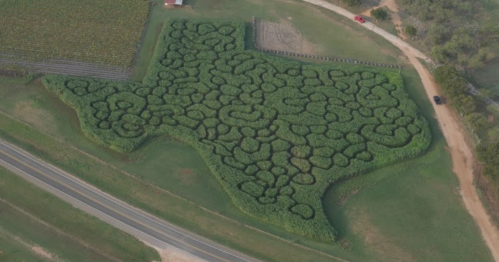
column 274, row 132
column 101, row 32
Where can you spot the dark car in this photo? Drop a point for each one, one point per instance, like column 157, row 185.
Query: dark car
column 437, row 100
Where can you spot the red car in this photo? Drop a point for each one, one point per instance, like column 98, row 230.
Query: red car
column 359, row 19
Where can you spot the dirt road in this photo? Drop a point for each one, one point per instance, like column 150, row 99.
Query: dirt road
column 461, row 151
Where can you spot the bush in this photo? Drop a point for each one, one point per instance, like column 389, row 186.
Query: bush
column 379, row 13
column 275, row 133
column 411, row 30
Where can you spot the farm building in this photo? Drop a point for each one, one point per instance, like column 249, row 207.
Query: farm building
column 175, row 3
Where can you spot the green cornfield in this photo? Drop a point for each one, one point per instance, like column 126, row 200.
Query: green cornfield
column 274, row 132
column 95, row 31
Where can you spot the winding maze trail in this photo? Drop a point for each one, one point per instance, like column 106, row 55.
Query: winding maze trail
column 275, row 133
column 462, row 152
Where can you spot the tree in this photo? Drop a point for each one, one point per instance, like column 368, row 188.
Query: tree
column 488, row 153
column 476, row 120
column 493, row 134
column 379, row 13
column 352, row 2
column 465, row 103
column 411, row 30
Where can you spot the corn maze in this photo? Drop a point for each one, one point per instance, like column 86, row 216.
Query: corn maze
column 275, row 133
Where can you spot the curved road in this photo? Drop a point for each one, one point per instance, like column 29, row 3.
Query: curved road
column 462, row 153
column 147, row 228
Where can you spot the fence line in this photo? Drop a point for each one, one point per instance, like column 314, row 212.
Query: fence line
column 325, row 58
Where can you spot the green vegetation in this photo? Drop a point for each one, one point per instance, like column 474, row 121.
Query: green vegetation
column 411, row 30
column 28, row 220
column 379, row 13
column 352, row 2
column 105, row 32
column 162, row 166
column 272, row 131
column 458, row 33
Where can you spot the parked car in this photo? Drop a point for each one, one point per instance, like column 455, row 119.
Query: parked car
column 360, row 19
column 437, row 100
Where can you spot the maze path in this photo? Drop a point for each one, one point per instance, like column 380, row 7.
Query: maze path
column 275, row 133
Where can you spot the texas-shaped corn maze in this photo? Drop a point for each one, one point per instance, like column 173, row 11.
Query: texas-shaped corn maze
column 276, row 133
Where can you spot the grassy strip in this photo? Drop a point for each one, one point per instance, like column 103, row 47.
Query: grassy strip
column 72, row 234
column 146, row 197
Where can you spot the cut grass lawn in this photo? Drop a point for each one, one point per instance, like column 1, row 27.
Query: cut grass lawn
column 422, row 210
column 27, row 220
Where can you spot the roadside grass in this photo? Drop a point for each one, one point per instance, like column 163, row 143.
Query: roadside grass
column 331, row 34
column 27, row 213
column 13, row 251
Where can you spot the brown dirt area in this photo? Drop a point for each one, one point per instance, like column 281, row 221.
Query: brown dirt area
column 375, row 240
column 282, row 36
column 42, row 252
column 171, row 254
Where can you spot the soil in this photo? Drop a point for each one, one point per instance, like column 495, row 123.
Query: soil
column 174, row 255
column 461, row 151
column 282, row 36
column 42, row 252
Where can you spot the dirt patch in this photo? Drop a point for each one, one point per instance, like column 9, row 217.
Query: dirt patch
column 42, row 252
column 362, row 226
column 28, row 111
column 171, row 254
column 282, row 36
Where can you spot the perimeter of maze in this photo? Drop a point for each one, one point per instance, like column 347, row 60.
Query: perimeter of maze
column 274, row 132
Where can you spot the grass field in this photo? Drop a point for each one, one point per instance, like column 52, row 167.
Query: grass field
column 369, row 229
column 27, row 222
column 74, row 30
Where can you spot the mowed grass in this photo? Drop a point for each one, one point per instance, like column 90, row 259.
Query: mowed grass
column 105, row 32
column 31, row 217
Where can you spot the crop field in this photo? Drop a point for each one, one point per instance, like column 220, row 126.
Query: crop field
column 275, row 133
column 103, row 32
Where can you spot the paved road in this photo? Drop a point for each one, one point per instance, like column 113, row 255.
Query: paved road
column 146, row 227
